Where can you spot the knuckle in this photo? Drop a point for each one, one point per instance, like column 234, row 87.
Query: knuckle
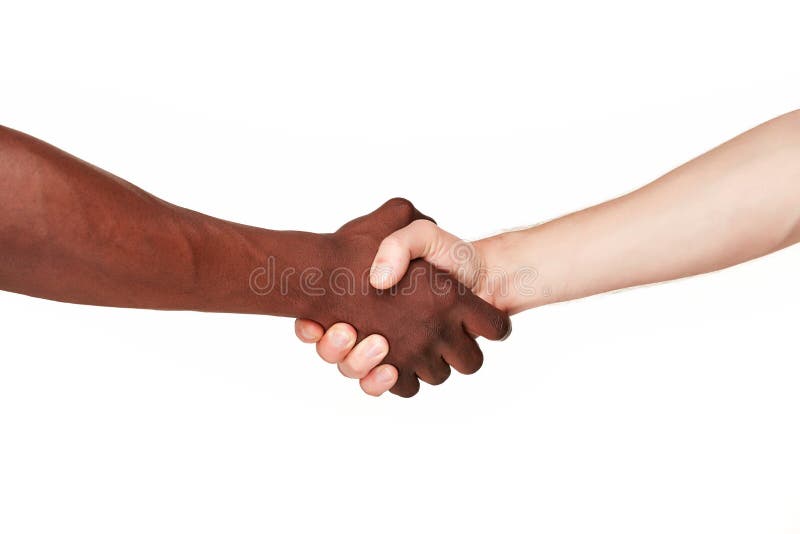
column 433, row 328
column 423, row 226
column 346, row 370
column 444, row 298
column 400, row 202
column 403, row 207
column 452, row 296
column 356, row 365
column 392, row 242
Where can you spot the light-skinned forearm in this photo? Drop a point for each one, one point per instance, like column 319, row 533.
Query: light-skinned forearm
column 737, row 202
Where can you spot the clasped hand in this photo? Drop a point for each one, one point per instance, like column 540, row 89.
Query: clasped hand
column 428, row 317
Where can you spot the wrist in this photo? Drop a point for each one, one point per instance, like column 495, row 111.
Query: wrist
column 304, row 274
column 519, row 271
column 282, row 271
column 493, row 279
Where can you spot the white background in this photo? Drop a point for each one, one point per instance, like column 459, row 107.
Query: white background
column 672, row 408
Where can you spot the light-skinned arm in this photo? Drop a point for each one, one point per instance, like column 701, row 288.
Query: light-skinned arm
column 737, row 202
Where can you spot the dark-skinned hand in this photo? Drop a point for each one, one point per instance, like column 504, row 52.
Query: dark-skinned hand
column 427, row 317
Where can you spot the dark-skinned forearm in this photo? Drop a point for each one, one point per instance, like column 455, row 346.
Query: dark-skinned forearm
column 75, row 233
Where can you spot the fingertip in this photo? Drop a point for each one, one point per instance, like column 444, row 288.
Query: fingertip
column 463, row 354
column 508, row 329
column 499, row 327
column 380, row 380
column 503, row 324
column 336, row 342
column 344, row 331
column 381, row 276
column 376, row 347
column 406, row 386
column 308, row 331
column 364, row 357
column 486, row 320
column 390, row 263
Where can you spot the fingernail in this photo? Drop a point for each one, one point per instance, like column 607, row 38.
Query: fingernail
column 385, row 375
column 376, row 351
column 305, row 336
column 379, row 274
column 340, row 339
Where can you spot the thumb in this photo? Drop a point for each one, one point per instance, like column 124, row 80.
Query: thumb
column 420, row 239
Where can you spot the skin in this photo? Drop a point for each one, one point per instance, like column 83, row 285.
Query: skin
column 734, row 203
column 75, row 233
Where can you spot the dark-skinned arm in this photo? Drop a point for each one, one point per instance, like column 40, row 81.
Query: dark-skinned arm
column 72, row 232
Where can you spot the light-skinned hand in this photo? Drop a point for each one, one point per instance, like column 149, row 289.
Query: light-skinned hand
column 420, row 239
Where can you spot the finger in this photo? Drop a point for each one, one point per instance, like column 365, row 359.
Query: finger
column 364, row 357
column 337, row 342
column 463, row 353
column 379, row 380
column 308, row 331
column 435, row 372
column 483, row 319
column 420, row 239
column 407, row 384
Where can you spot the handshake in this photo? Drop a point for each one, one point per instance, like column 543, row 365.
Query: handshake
column 72, row 232
column 390, row 296
column 415, row 318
